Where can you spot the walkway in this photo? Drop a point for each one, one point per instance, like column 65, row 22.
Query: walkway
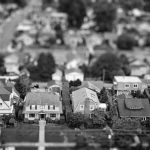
column 42, row 124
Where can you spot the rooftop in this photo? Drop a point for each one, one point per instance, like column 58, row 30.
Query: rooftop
column 130, row 107
column 127, row 79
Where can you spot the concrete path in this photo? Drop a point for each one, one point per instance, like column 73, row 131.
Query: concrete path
column 42, row 124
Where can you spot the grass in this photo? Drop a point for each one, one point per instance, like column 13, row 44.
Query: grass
column 26, row 148
column 21, row 133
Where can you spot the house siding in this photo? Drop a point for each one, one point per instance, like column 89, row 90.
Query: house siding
column 121, row 87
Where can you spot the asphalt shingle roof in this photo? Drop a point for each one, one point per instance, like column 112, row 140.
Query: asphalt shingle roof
column 133, row 107
column 43, row 98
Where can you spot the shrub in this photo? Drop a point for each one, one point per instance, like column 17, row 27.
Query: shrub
column 36, row 121
column 26, row 120
column 126, row 42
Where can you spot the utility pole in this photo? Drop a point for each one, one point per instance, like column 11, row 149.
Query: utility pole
column 103, row 75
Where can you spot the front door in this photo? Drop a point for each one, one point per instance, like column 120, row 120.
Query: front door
column 42, row 116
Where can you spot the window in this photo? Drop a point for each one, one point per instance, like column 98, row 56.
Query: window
column 42, row 107
column 127, row 85
column 35, row 107
column 31, row 115
column 81, row 107
column 53, row 115
column 91, row 107
column 30, row 107
column 53, row 107
column 48, row 107
column 135, row 85
column 1, row 104
column 92, row 95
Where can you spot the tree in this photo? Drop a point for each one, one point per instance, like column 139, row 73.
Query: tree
column 105, row 15
column 103, row 96
column 75, row 83
column 12, row 121
column 126, row 42
column 45, row 68
column 107, row 66
column 98, row 118
column 2, row 67
column 75, row 10
column 126, row 124
column 147, row 5
column 22, row 86
column 75, row 120
column 125, row 64
column 131, row 4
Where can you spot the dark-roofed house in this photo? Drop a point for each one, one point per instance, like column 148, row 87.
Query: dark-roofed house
column 133, row 107
column 40, row 105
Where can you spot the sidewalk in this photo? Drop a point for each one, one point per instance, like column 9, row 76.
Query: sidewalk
column 42, row 124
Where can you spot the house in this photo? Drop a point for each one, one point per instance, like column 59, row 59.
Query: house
column 84, row 100
column 145, row 84
column 40, row 105
column 133, row 107
column 54, row 86
column 126, row 84
column 93, row 85
column 39, row 87
column 8, row 96
column 57, row 76
column 138, row 68
column 74, row 60
column 74, row 74
column 96, row 85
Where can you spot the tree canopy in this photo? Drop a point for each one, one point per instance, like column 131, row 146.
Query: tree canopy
column 131, row 4
column 2, row 66
column 44, row 69
column 105, row 14
column 76, row 11
column 107, row 66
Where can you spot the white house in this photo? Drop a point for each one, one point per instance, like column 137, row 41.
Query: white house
column 84, row 100
column 40, row 105
column 8, row 96
column 74, row 74
column 126, row 84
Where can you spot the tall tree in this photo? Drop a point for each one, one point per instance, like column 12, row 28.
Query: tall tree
column 105, row 15
column 107, row 66
column 46, row 66
column 76, row 11
column 2, row 66
column 22, row 86
column 131, row 4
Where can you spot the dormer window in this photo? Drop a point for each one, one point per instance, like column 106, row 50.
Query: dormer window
column 135, row 85
column 81, row 107
column 127, row 85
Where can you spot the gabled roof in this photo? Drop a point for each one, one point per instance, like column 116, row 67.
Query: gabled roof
column 72, row 70
column 3, row 90
column 42, row 98
column 130, row 107
column 93, row 85
column 52, row 82
column 5, row 97
column 82, row 94
column 127, row 79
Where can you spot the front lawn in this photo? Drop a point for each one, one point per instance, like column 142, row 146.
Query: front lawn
column 21, row 133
